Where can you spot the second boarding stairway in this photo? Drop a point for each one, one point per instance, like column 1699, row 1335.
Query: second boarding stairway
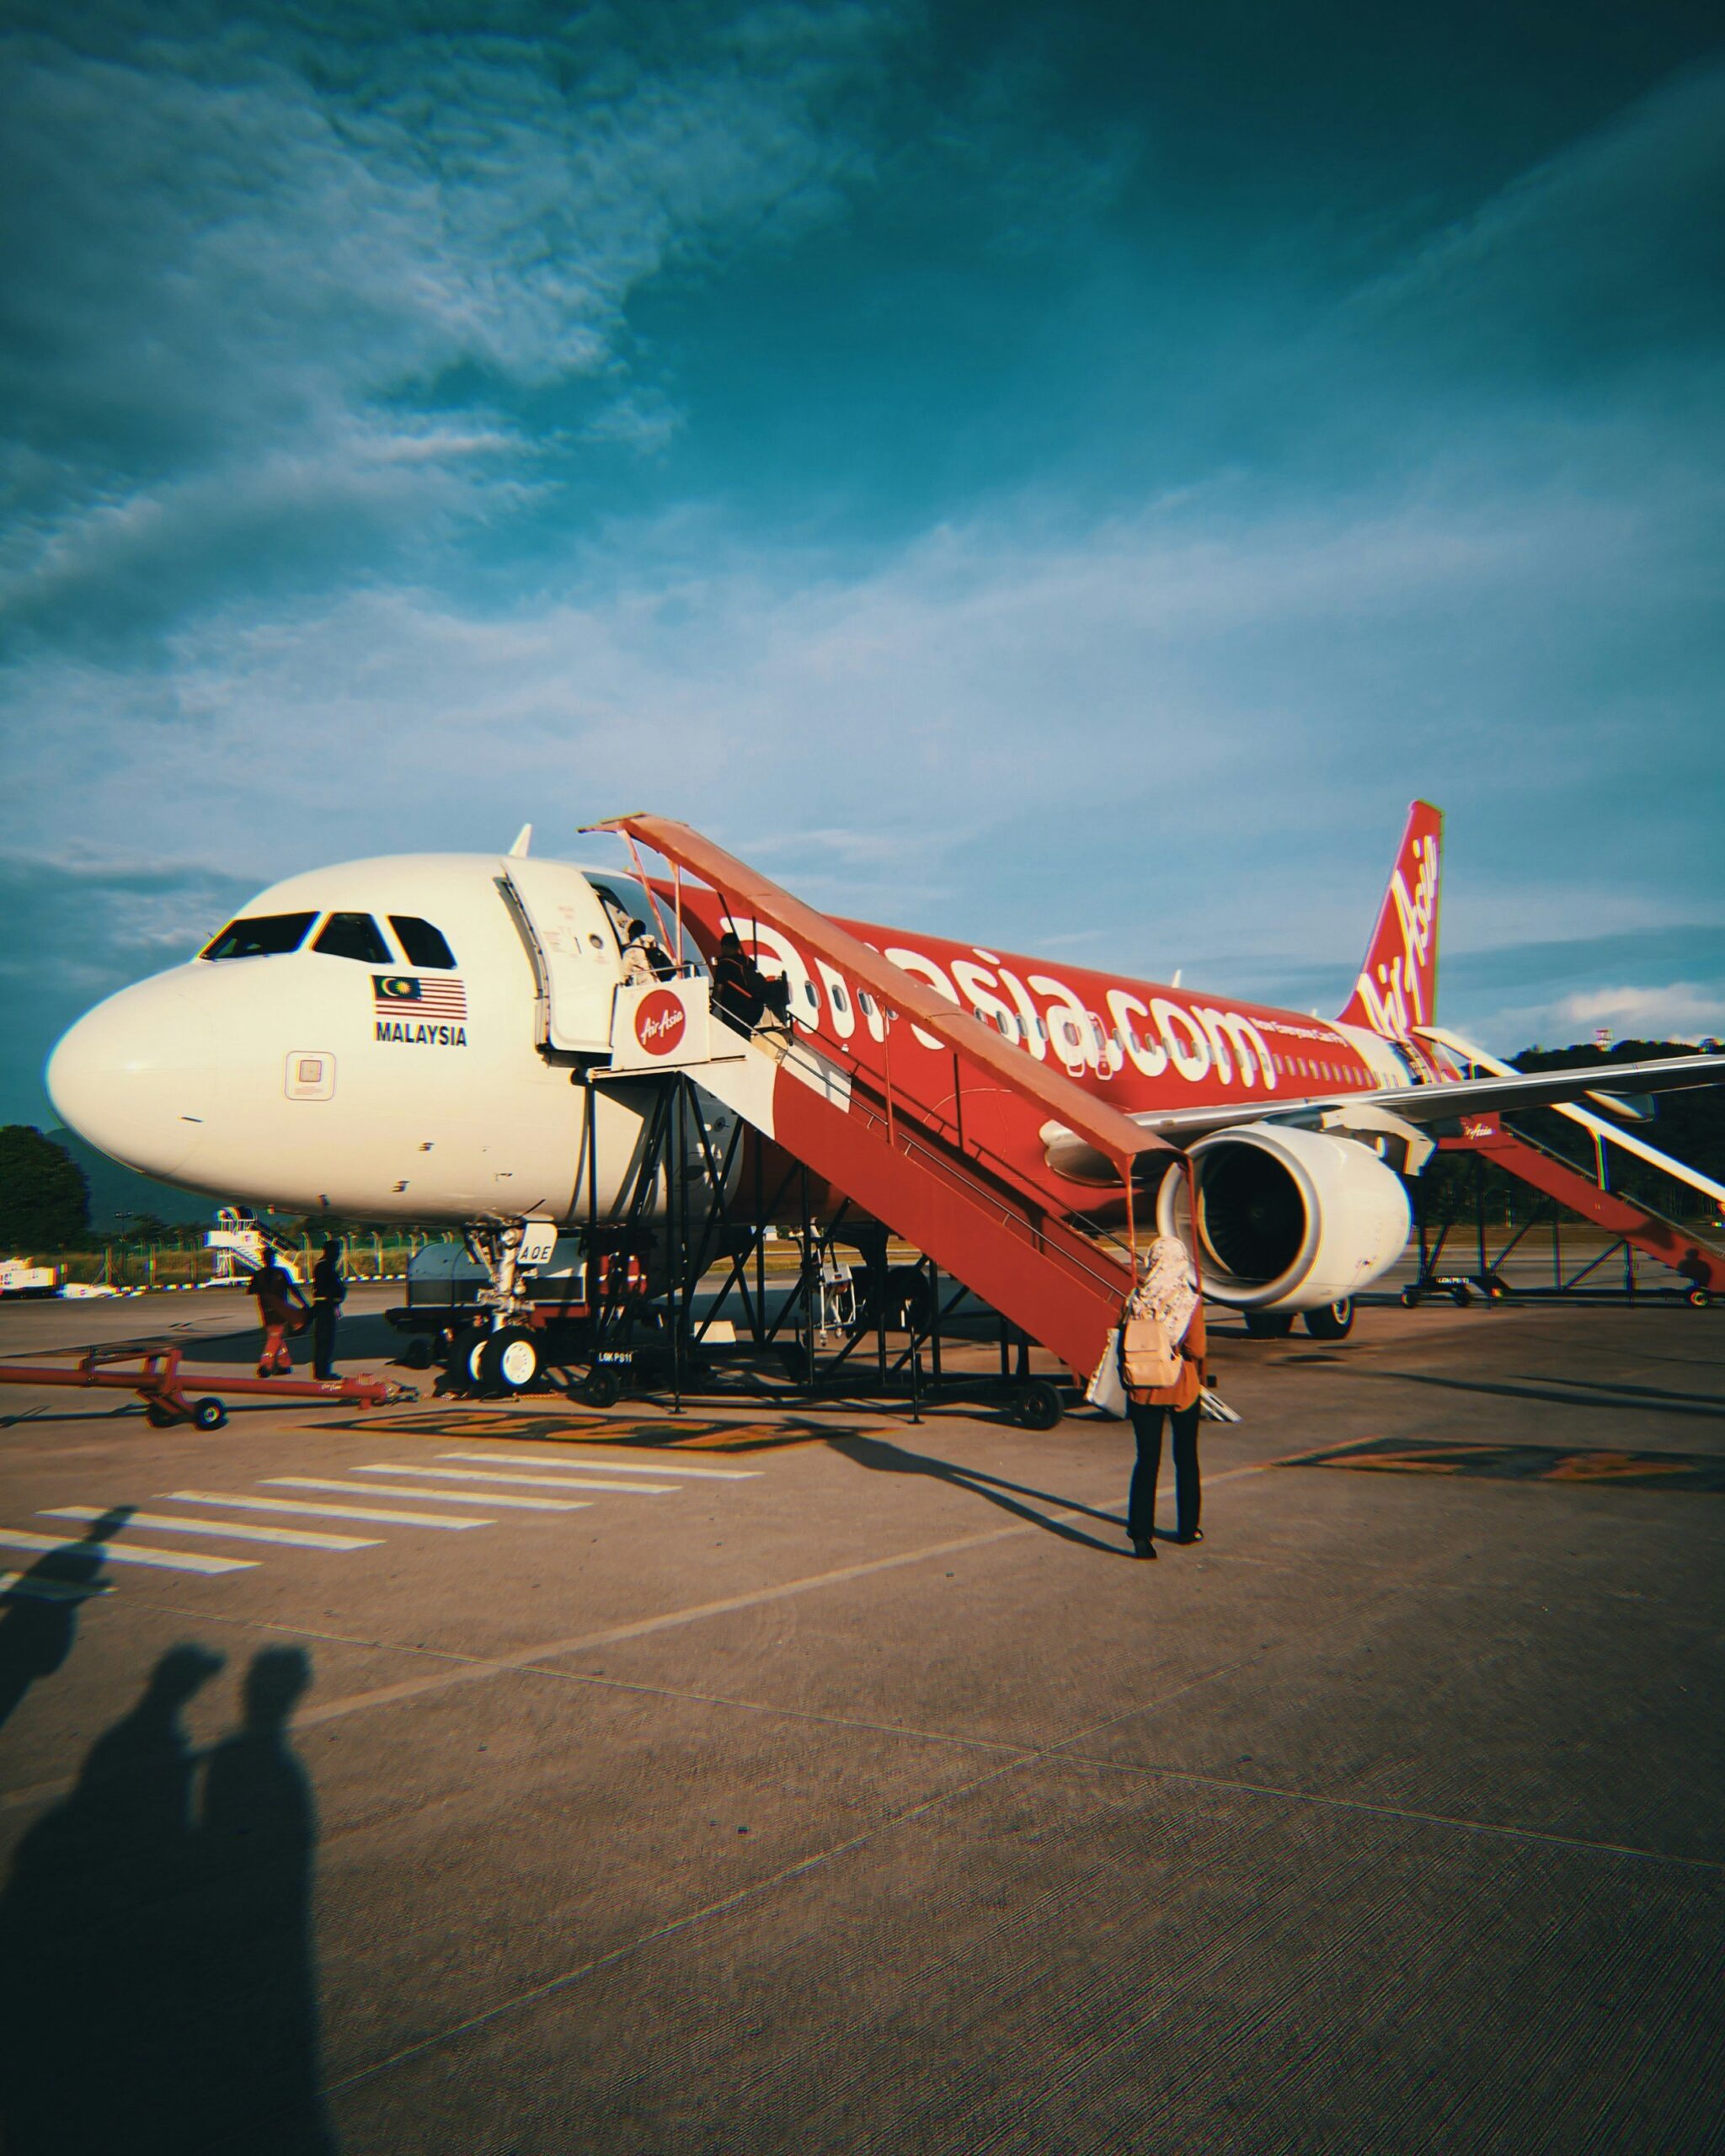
column 918, row 1140
column 1629, row 1219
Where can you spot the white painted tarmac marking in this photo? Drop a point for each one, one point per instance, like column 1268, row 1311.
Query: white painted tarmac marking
column 652, row 1467
column 307, row 1537
column 440, row 1497
column 452, row 1520
column 133, row 1553
column 530, row 1482
column 50, row 1590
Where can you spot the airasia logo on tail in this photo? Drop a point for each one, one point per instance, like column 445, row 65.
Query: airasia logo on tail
column 659, row 1020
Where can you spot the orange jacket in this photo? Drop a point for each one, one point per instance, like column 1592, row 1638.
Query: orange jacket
column 1183, row 1392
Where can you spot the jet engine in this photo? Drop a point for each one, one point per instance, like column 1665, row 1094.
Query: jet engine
column 1287, row 1218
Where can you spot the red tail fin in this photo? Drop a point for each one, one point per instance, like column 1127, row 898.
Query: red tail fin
column 1398, row 988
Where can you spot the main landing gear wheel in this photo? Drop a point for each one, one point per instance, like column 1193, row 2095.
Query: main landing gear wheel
column 209, row 1413
column 1700, row 1299
column 417, row 1354
column 1334, row 1321
column 508, row 1360
column 1037, row 1406
column 1268, row 1325
column 603, row 1385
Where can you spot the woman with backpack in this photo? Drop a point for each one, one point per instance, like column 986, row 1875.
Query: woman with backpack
column 1161, row 1358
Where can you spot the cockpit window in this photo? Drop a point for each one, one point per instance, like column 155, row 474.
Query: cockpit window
column 264, row 935
column 423, row 944
column 354, row 935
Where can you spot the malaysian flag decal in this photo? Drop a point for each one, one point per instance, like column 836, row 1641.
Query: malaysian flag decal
column 413, row 996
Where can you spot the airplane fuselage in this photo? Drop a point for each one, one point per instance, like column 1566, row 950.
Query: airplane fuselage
column 354, row 1081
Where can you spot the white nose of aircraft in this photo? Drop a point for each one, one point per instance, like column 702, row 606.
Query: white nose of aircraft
column 138, row 1076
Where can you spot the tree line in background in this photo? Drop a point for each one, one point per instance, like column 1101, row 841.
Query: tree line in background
column 45, row 1208
column 44, row 1196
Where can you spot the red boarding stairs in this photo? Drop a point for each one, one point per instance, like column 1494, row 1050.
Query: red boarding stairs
column 916, row 1152
column 1667, row 1240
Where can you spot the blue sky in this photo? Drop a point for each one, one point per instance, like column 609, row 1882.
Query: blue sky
column 1066, row 476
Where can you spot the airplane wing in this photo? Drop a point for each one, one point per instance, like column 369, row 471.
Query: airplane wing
column 1445, row 1100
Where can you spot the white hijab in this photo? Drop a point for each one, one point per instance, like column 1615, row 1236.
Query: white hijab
column 1168, row 1291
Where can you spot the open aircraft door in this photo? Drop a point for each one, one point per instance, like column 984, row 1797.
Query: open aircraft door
column 575, row 952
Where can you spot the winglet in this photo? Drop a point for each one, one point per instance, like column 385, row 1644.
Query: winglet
column 1398, row 988
column 524, row 838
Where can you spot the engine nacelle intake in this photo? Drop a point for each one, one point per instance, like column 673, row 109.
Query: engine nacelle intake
column 1288, row 1220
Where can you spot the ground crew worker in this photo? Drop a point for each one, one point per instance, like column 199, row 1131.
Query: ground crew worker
column 329, row 1293
column 1168, row 1292
column 273, row 1286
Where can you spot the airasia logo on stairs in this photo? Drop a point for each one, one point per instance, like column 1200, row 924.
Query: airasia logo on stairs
column 659, row 1020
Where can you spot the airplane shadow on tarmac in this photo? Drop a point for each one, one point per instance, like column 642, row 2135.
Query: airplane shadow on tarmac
column 886, row 1458
column 157, row 1978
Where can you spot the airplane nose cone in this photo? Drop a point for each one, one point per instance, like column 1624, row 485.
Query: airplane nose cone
column 137, row 1077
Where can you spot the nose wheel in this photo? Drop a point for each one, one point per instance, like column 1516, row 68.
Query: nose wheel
column 506, row 1361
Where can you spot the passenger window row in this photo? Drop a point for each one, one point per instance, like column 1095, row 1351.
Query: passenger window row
column 343, row 935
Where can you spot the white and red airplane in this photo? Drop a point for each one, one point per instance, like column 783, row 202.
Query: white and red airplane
column 412, row 1038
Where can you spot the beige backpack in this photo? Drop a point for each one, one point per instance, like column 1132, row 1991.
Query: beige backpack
column 1149, row 1359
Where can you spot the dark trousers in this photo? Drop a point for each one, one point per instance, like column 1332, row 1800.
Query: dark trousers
column 1140, row 1505
column 323, row 1317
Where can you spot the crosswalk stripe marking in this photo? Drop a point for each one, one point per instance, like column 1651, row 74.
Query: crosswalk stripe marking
column 652, row 1465
column 439, row 1496
column 50, row 1590
column 133, row 1553
column 528, row 1481
column 451, row 1520
column 307, row 1537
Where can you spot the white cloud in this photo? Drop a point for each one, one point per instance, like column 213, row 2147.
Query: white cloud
column 1680, row 1010
column 1213, row 722
column 231, row 262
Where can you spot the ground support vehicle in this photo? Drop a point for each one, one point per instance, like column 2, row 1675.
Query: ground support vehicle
column 154, row 1370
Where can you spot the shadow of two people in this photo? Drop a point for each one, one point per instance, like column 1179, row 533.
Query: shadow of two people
column 157, row 1988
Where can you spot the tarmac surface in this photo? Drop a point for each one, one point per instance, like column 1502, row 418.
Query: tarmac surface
column 762, row 1779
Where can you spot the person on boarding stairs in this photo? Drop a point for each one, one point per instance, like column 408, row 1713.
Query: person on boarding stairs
column 645, row 958
column 329, row 1293
column 273, row 1286
column 1168, row 1291
column 739, row 991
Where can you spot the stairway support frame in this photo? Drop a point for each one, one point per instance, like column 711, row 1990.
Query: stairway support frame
column 700, row 1217
column 1486, row 1280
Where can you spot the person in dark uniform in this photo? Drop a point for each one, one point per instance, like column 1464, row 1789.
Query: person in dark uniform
column 739, row 991
column 329, row 1293
column 273, row 1286
column 1168, row 1292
